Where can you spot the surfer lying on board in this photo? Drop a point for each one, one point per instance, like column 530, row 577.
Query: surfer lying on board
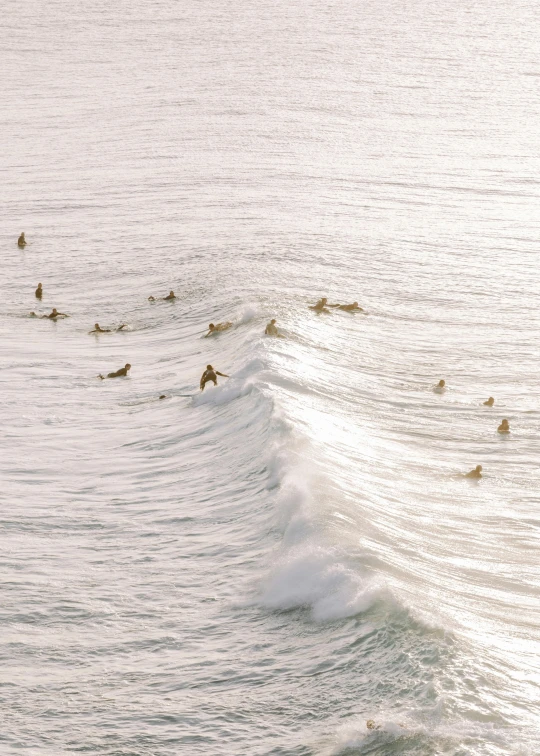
column 52, row 316
column 210, row 375
column 348, row 308
column 320, row 306
column 170, row 296
column 216, row 328
column 98, row 329
column 118, row 374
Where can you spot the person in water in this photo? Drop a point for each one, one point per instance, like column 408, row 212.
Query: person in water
column 98, row 329
column 118, row 374
column 170, row 296
column 39, row 291
column 320, row 306
column 440, row 387
column 21, row 241
column 348, row 308
column 490, row 402
column 216, row 328
column 271, row 329
column 52, row 316
column 476, row 473
column 210, row 375
column 504, row 427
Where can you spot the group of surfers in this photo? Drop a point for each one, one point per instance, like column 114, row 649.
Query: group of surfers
column 210, row 374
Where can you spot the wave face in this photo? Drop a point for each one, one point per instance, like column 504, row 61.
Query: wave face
column 265, row 567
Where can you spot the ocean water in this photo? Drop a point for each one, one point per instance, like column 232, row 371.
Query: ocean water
column 262, row 568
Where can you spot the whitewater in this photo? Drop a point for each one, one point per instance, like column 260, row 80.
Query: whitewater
column 264, row 567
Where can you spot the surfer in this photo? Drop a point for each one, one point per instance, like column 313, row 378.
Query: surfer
column 21, row 241
column 504, row 427
column 118, row 374
column 216, row 328
column 210, row 375
column 371, row 725
column 170, row 296
column 52, row 316
column 348, row 308
column 440, row 387
column 271, row 329
column 98, row 329
column 39, row 291
column 490, row 402
column 476, row 473
column 320, row 306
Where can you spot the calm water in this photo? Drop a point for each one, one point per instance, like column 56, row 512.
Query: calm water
column 262, row 568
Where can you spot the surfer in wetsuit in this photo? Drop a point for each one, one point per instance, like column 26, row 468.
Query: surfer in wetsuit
column 98, row 329
column 39, row 291
column 490, row 402
column 320, row 306
column 118, row 374
column 440, row 387
column 216, row 328
column 504, row 427
column 21, row 241
column 210, row 375
column 170, row 296
column 52, row 316
column 476, row 473
column 348, row 308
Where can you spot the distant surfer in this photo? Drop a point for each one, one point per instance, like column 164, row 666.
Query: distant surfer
column 440, row 387
column 98, row 329
column 371, row 725
column 210, row 375
column 21, row 241
column 118, row 374
column 52, row 316
column 39, row 291
column 320, row 306
column 476, row 473
column 271, row 329
column 490, row 402
column 217, row 328
column 504, row 427
column 163, row 396
column 348, row 308
column 170, row 296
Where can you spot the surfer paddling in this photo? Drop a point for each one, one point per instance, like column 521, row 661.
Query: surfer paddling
column 348, row 307
column 320, row 306
column 210, row 375
column 98, row 329
column 170, row 296
column 51, row 316
column 118, row 374
column 217, row 328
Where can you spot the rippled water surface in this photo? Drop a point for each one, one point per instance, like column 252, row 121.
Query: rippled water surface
column 263, row 568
